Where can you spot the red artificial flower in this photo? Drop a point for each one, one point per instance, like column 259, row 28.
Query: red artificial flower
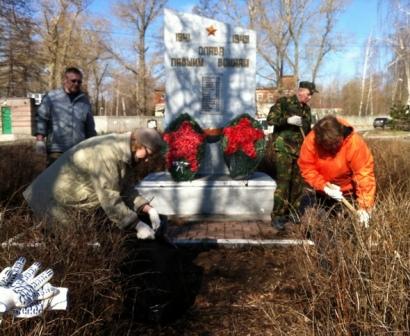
column 242, row 136
column 183, row 144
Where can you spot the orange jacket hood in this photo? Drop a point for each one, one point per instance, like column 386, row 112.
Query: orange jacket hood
column 352, row 168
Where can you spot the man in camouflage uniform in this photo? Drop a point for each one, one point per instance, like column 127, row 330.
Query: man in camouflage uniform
column 291, row 118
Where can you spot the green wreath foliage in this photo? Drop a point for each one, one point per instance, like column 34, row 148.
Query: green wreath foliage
column 241, row 165
column 181, row 168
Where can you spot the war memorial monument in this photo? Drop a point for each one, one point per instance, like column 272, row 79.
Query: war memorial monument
column 210, row 75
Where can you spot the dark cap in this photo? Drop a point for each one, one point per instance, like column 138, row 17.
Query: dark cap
column 308, row 85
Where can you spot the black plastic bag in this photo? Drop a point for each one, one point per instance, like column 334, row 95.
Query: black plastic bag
column 160, row 281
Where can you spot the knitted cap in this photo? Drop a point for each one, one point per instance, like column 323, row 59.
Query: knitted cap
column 149, row 138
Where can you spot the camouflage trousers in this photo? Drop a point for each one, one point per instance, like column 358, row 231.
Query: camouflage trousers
column 290, row 186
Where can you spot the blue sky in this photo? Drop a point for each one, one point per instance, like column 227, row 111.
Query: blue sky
column 356, row 23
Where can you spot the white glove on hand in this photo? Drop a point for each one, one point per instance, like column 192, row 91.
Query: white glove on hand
column 40, row 147
column 333, row 191
column 364, row 217
column 154, row 218
column 144, row 231
column 24, row 289
column 295, row 120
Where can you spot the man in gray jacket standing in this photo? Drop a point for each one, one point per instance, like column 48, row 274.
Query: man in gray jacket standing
column 64, row 118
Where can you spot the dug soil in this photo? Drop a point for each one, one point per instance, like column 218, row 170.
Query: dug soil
column 250, row 291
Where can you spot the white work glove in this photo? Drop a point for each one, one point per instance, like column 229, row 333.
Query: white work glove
column 154, row 218
column 295, row 120
column 38, row 306
column 32, row 310
column 144, row 231
column 333, row 191
column 9, row 274
column 364, row 217
column 22, row 289
column 56, row 302
column 46, row 298
column 40, row 147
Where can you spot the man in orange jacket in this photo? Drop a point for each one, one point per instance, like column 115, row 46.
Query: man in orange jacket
column 336, row 162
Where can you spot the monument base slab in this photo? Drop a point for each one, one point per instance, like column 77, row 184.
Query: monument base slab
column 210, row 196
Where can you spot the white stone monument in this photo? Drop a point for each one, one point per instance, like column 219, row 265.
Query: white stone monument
column 210, row 74
column 210, row 69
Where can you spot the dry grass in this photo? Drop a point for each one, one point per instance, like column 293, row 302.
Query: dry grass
column 354, row 282
column 357, row 281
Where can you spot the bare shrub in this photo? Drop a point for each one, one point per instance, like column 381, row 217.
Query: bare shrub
column 356, row 281
column 89, row 273
column 19, row 165
column 353, row 282
column 392, row 166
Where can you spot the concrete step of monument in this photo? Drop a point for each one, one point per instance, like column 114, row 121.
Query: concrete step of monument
column 210, row 195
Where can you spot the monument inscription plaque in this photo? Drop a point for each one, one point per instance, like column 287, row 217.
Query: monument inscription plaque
column 211, row 94
column 210, row 69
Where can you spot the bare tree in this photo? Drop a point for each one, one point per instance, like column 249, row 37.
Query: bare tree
column 92, row 56
column 206, row 8
column 98, row 76
column 70, row 37
column 365, row 69
column 351, row 97
column 323, row 40
column 19, row 66
column 400, row 45
column 294, row 36
column 296, row 15
column 139, row 15
column 398, row 40
column 314, row 22
column 273, row 34
column 60, row 22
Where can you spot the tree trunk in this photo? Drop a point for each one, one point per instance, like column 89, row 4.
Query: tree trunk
column 366, row 62
column 123, row 107
column 117, row 105
column 407, row 69
column 142, row 80
column 369, row 102
column 10, row 90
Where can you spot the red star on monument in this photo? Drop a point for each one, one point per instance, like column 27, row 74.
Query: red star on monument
column 211, row 30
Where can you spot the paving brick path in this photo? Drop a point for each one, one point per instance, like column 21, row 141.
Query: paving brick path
column 233, row 234
column 223, row 230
